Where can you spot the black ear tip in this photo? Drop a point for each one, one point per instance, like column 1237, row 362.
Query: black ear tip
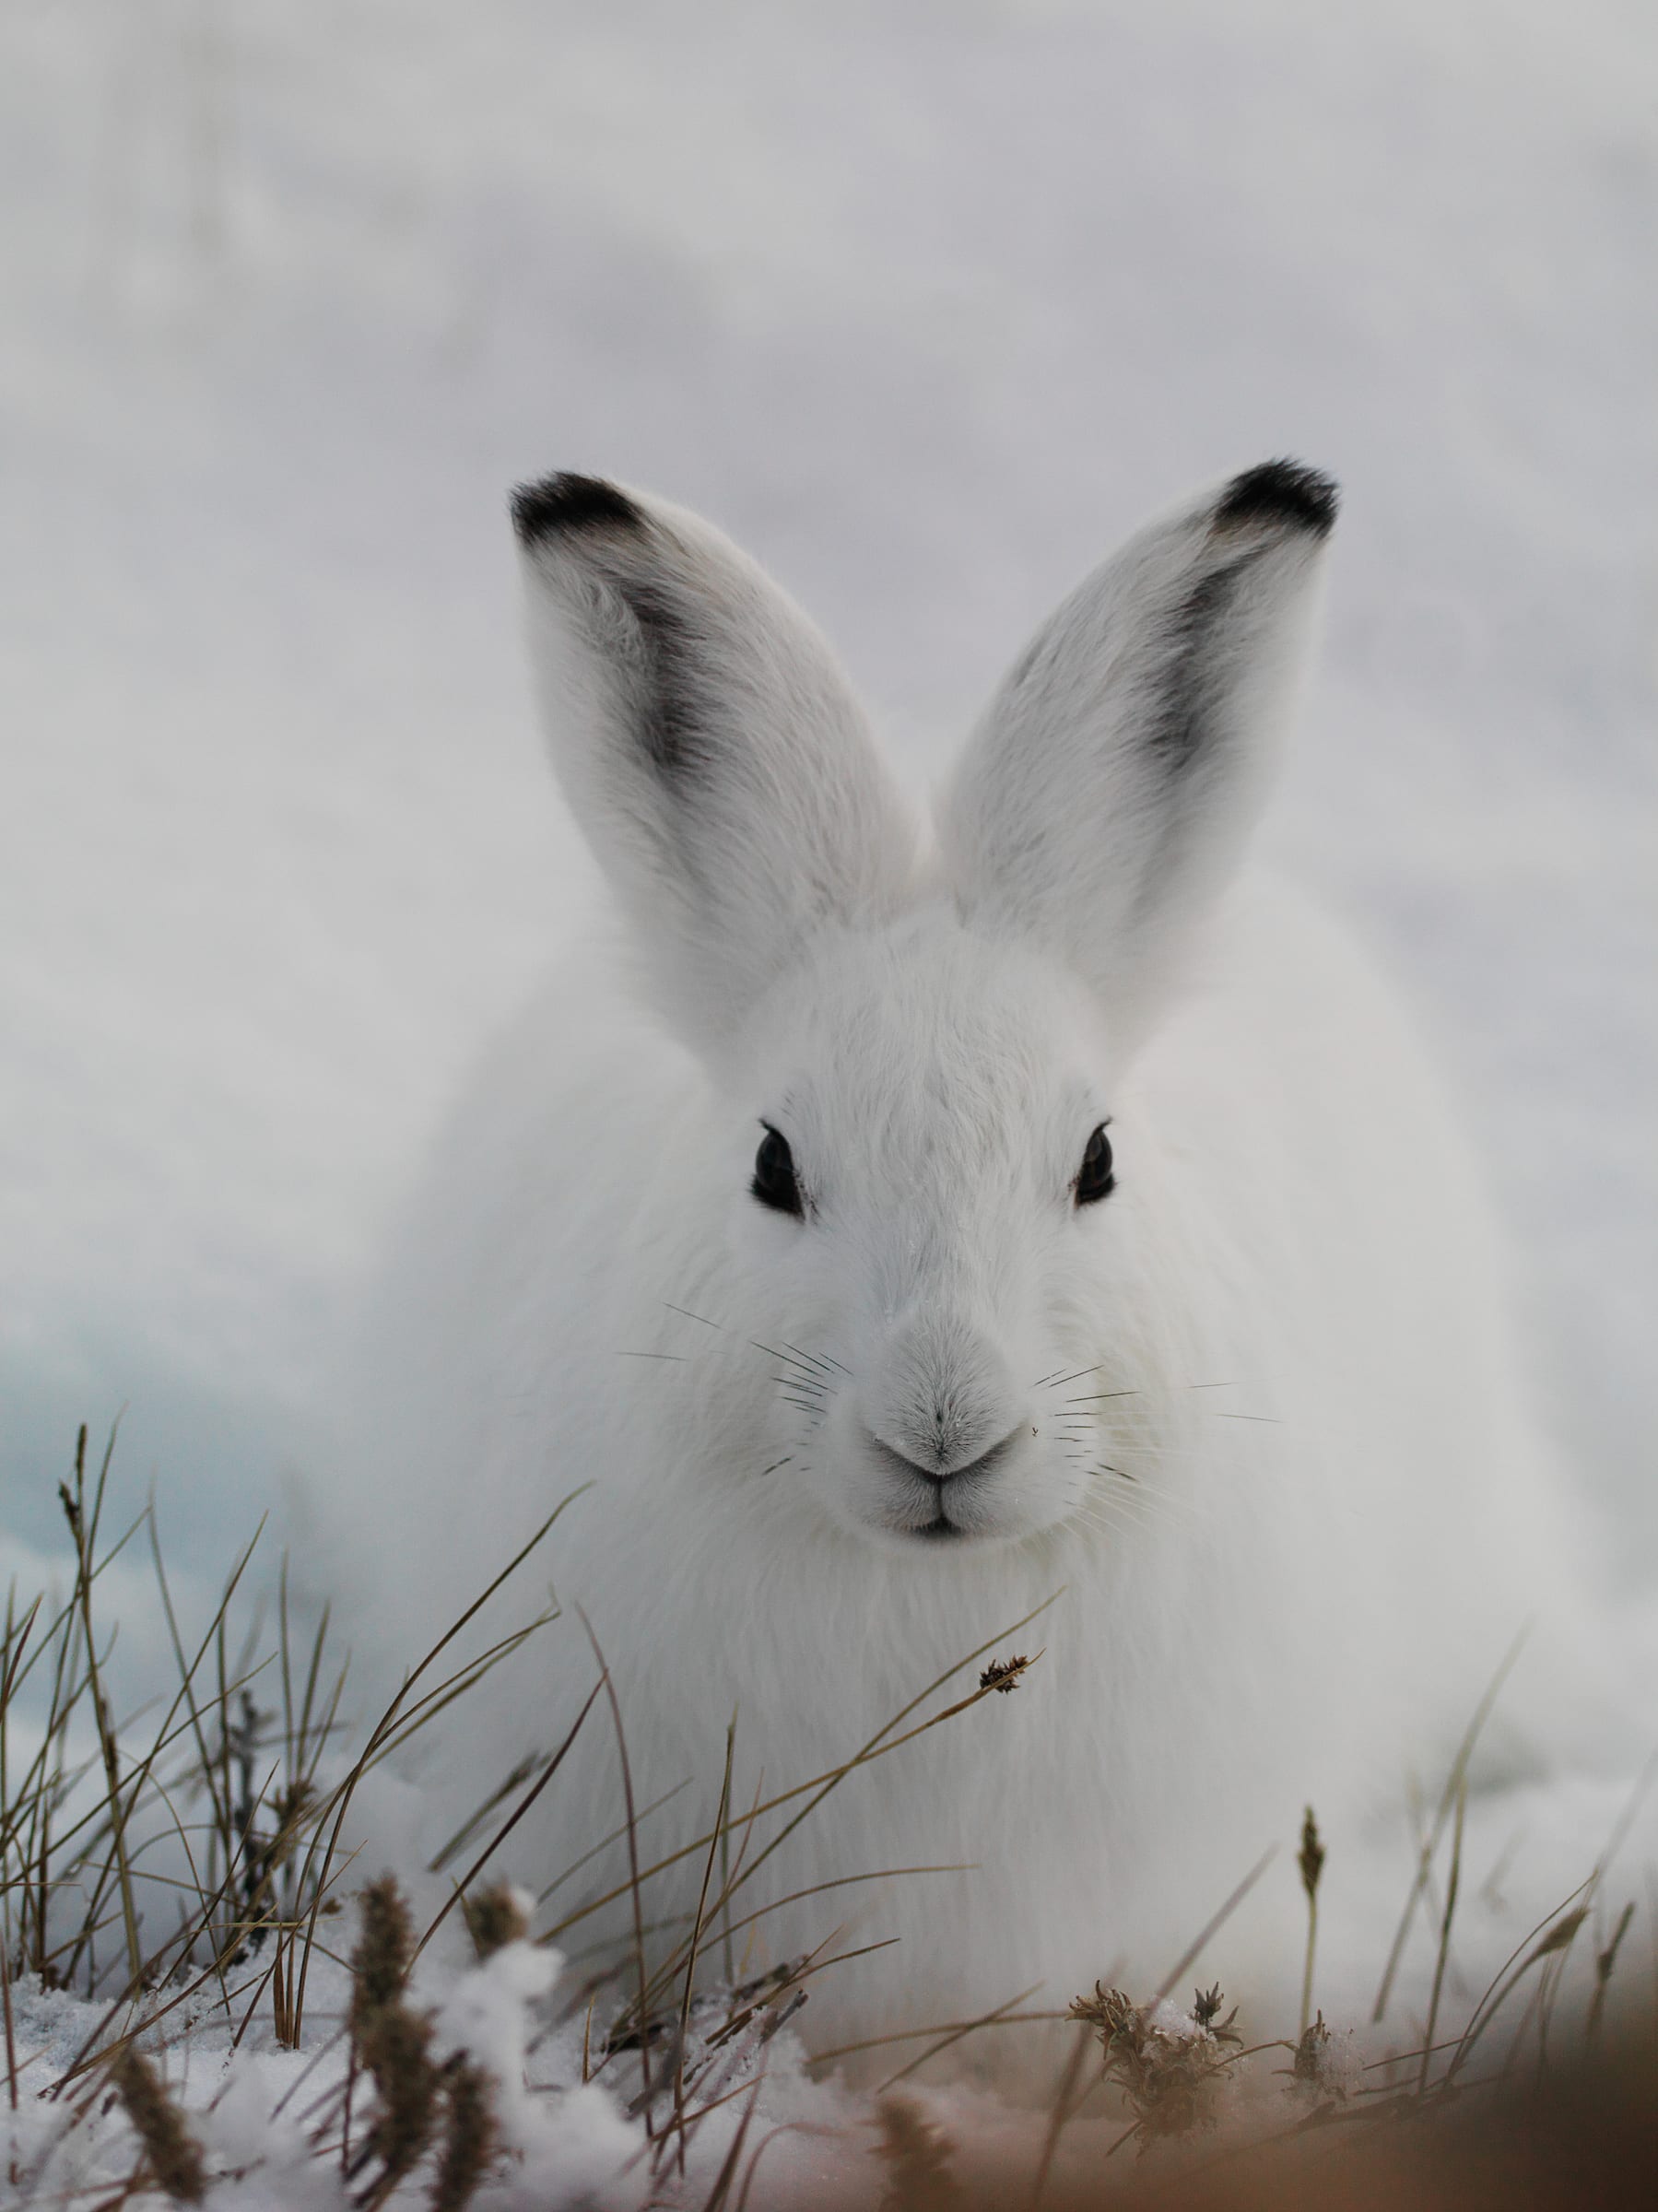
column 1280, row 491
column 569, row 502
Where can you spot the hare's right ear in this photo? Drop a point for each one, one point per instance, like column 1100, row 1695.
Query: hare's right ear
column 710, row 749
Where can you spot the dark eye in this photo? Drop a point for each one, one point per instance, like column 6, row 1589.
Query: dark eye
column 1094, row 1178
column 774, row 1182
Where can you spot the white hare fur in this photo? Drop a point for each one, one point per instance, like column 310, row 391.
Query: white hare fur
column 1253, row 1412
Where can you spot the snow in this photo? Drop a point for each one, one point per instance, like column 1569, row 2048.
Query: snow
column 568, row 2144
column 927, row 304
column 562, row 2142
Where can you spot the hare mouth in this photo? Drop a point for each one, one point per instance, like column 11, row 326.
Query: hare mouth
column 919, row 1489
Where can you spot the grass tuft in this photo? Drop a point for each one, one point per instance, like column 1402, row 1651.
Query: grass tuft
column 184, row 1862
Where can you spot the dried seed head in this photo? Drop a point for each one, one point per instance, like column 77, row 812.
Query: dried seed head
column 469, row 2138
column 1206, row 2011
column 1309, row 2051
column 495, row 1917
column 384, row 1951
column 1560, row 1936
column 1327, row 2067
column 1107, row 2009
column 916, row 2155
column 1311, row 1857
column 1605, row 1960
column 1170, row 2066
column 1004, row 1673
column 392, row 2041
column 396, row 2051
column 174, row 2158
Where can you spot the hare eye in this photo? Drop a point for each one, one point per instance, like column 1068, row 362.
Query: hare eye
column 774, row 1182
column 1094, row 1178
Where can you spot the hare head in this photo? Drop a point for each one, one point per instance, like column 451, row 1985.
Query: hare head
column 915, row 1046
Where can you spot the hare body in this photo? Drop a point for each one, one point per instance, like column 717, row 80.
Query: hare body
column 799, row 1259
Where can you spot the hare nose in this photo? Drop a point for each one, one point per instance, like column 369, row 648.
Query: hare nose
column 985, row 1462
column 945, row 1404
column 940, row 1471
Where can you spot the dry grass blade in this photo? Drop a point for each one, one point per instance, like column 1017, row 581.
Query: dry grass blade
column 721, row 1830
column 878, row 1746
column 1212, row 1928
column 914, row 2035
column 1550, row 1934
column 1453, row 1882
column 83, row 1529
column 518, row 1812
column 1605, row 1960
column 844, row 1881
column 732, row 2163
column 1454, row 1783
column 955, row 2035
column 1310, row 1863
column 633, row 1874
column 388, row 1733
column 994, row 1681
column 725, row 1950
column 1064, row 2104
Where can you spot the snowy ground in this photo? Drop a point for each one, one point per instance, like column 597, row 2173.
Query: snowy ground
column 565, row 2144
column 927, row 303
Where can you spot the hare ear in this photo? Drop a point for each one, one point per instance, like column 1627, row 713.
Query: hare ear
column 1106, row 795
column 710, row 749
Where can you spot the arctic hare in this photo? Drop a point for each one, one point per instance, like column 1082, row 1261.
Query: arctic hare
column 904, row 1227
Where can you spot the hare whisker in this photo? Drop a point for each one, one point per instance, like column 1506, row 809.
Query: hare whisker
column 690, row 1316
column 1109, row 1523
column 1162, row 1505
column 797, row 1360
column 1110, row 1510
column 812, row 1357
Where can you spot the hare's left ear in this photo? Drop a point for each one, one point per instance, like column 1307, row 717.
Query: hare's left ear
column 1107, row 793
column 710, row 749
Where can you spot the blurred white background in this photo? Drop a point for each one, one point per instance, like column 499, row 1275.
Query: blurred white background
column 928, row 301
